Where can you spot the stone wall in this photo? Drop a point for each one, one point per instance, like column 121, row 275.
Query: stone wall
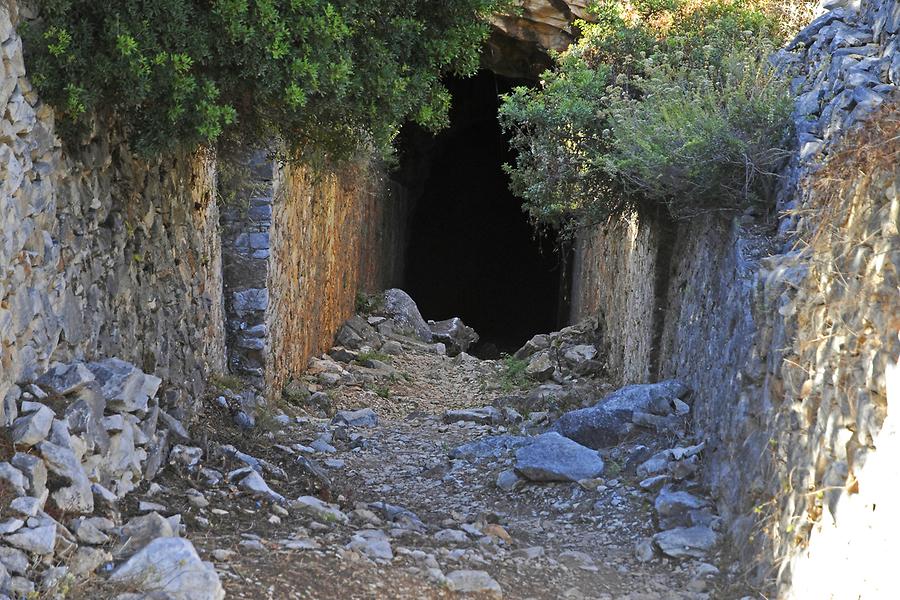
column 785, row 329
column 330, row 237
column 102, row 254
column 298, row 248
column 613, row 277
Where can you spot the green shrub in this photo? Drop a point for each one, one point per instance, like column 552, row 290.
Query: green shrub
column 666, row 103
column 702, row 139
column 327, row 76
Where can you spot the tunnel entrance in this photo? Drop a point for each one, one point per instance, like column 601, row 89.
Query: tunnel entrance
column 471, row 251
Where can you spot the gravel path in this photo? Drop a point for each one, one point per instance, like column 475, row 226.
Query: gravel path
column 446, row 518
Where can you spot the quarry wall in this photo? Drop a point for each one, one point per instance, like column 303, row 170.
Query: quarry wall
column 785, row 328
column 106, row 254
column 102, row 254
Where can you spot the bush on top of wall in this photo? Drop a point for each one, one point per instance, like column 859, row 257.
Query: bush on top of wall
column 327, row 76
column 669, row 103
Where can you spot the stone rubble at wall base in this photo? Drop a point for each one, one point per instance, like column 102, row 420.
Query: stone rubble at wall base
column 82, row 437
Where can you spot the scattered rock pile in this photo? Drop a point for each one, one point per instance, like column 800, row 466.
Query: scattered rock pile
column 82, row 436
column 564, row 356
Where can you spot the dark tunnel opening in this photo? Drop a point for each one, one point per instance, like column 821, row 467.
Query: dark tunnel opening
column 472, row 252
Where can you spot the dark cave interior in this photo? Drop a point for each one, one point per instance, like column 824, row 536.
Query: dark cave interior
column 471, row 251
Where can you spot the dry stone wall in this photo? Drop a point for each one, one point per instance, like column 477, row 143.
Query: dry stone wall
column 298, row 247
column 786, row 338
column 102, row 254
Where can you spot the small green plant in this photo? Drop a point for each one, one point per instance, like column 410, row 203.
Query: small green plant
column 373, row 355
column 368, row 303
column 227, row 381
column 613, row 468
column 512, row 375
column 383, row 391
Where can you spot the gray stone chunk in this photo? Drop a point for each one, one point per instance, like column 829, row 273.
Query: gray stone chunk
column 11, row 525
column 85, row 416
column 403, row 310
column 610, row 421
column 9, row 410
column 175, row 426
column 551, row 457
column 364, row 417
column 140, row 531
column 252, row 481
column 13, row 477
column 91, row 530
column 373, row 544
column 508, row 480
column 686, row 542
column 486, row 415
column 172, row 566
column 33, row 428
column 125, row 387
column 62, row 461
column 62, row 380
column 14, row 560
column 468, row 582
column 540, row 366
column 250, row 300
column 538, row 342
column 454, row 334
column 673, row 507
column 28, row 506
column 318, row 509
column 37, row 540
column 87, row 560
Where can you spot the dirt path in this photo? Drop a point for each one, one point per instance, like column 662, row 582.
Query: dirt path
column 550, row 540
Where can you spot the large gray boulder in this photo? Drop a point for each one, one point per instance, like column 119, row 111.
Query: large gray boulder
column 399, row 306
column 454, row 334
column 551, row 457
column 170, row 565
column 611, row 420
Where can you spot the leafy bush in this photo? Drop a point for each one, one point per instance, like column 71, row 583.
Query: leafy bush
column 702, row 139
column 324, row 75
column 661, row 102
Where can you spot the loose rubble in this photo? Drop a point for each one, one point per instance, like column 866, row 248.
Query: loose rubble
column 85, row 437
column 446, row 482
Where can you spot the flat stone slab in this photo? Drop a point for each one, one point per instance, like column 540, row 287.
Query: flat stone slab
column 487, row 415
column 551, row 457
column 493, row 446
column 318, row 509
column 686, row 542
column 466, row 582
column 364, row 417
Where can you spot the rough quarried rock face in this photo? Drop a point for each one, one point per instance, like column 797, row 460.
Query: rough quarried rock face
column 753, row 332
column 296, row 248
column 101, row 254
column 519, row 42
